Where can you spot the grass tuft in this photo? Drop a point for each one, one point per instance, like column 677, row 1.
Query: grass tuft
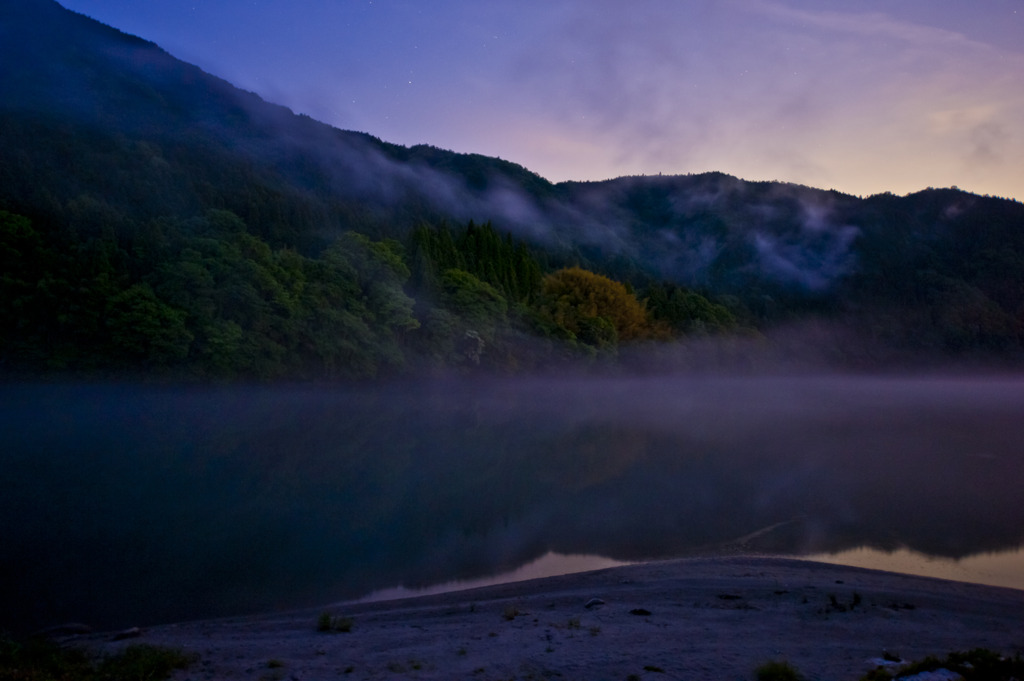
column 979, row 664
column 44, row 660
column 143, row 661
column 777, row 671
column 326, row 623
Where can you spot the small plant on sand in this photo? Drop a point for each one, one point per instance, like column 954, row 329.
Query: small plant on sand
column 325, row 622
column 400, row 668
column 511, row 612
column 574, row 623
column 834, row 604
column 979, row 664
column 777, row 671
column 44, row 660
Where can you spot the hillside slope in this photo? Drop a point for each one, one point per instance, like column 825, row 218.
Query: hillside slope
column 120, row 157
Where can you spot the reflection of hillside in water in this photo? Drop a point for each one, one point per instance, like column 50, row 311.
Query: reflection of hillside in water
column 133, row 505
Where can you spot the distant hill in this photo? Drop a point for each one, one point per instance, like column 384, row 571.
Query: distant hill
column 117, row 153
column 73, row 88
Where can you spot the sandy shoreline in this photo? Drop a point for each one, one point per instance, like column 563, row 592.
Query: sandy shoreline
column 713, row 618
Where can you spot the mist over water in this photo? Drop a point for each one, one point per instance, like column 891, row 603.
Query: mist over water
column 129, row 505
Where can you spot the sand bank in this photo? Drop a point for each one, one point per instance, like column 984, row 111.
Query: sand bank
column 702, row 618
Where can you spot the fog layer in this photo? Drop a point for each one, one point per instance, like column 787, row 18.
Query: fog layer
column 128, row 505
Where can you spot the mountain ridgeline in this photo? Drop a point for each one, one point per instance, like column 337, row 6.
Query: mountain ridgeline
column 154, row 218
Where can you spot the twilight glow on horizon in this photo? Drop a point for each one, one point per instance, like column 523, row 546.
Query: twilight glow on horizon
column 862, row 97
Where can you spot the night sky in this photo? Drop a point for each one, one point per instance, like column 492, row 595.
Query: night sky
column 864, row 97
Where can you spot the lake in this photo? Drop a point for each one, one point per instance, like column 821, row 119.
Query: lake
column 130, row 505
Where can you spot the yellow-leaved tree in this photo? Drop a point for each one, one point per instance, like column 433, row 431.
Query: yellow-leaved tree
column 592, row 308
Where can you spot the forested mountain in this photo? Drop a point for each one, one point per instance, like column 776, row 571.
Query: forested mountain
column 155, row 218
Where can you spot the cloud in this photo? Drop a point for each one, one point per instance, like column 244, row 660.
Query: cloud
column 865, row 25
column 767, row 90
column 881, row 96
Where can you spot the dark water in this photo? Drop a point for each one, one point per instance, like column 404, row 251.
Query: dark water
column 125, row 505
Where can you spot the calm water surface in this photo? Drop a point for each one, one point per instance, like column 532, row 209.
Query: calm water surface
column 124, row 505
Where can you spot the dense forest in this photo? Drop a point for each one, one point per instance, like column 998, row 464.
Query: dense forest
column 206, row 297
column 156, row 220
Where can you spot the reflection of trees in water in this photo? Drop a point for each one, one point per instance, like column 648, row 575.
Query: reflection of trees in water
column 184, row 503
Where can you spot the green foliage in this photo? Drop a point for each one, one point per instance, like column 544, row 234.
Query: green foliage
column 598, row 332
column 500, row 261
column 476, row 288
column 143, row 662
column 217, row 301
column 688, row 312
column 146, row 329
column 206, row 297
column 943, row 271
column 476, row 301
column 777, row 671
column 44, row 660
